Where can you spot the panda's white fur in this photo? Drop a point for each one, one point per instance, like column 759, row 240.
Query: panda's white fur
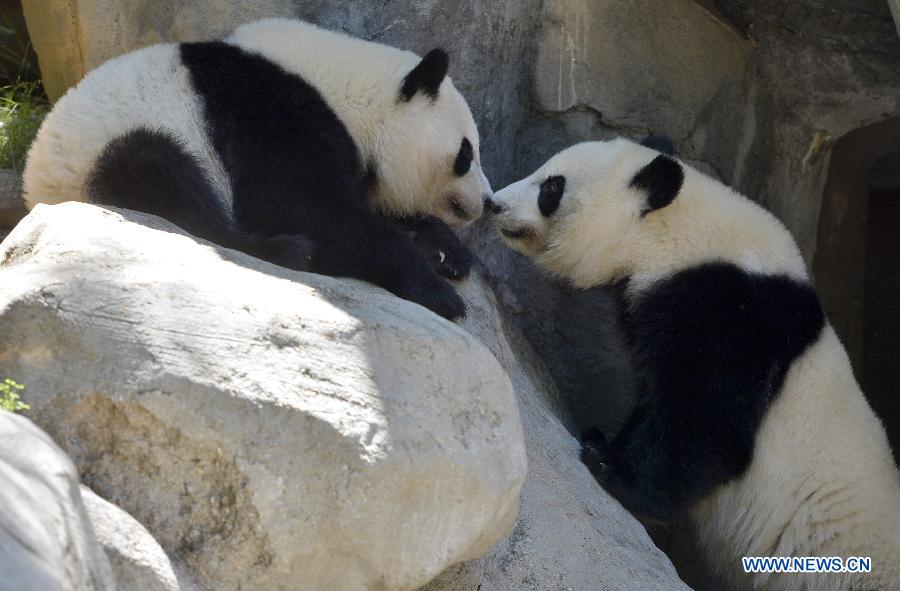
column 149, row 87
column 413, row 142
column 822, row 481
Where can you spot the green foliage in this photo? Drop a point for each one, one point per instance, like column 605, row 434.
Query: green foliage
column 22, row 108
column 9, row 396
column 17, row 58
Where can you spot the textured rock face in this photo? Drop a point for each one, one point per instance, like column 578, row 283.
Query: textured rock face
column 266, row 427
column 570, row 534
column 592, row 56
column 46, row 539
column 828, row 69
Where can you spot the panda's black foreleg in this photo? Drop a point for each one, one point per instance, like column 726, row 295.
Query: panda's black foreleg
column 637, row 469
column 368, row 246
column 440, row 245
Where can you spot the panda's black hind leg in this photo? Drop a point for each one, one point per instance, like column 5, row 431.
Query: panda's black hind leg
column 150, row 170
column 439, row 244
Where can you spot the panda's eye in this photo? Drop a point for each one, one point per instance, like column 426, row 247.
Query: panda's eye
column 463, row 161
column 551, row 192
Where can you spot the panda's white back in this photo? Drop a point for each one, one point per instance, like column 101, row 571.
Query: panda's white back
column 148, row 88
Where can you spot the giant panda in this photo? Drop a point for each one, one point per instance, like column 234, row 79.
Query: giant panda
column 283, row 140
column 749, row 421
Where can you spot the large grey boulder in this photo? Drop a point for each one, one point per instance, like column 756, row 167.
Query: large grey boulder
column 46, row 539
column 270, row 429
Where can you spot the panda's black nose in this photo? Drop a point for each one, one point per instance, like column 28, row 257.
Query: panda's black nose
column 492, row 206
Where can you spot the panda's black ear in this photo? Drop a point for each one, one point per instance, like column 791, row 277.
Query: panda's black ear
column 661, row 179
column 660, row 143
column 426, row 76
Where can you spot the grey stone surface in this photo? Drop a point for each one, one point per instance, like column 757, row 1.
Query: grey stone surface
column 570, row 534
column 575, row 332
column 138, row 562
column 267, row 427
column 593, row 55
column 46, row 539
column 828, row 68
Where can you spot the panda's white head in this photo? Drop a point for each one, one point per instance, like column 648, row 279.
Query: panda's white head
column 602, row 211
column 582, row 213
column 428, row 146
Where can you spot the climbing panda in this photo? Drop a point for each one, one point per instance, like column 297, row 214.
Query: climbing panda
column 306, row 147
column 749, row 420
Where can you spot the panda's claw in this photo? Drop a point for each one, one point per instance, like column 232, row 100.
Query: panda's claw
column 595, row 453
column 445, row 252
column 453, row 261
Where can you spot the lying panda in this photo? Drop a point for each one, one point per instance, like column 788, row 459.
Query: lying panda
column 749, row 418
column 278, row 141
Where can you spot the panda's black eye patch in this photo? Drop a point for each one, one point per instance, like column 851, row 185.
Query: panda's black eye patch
column 551, row 192
column 463, row 161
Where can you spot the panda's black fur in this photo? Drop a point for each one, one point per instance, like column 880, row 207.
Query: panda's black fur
column 710, row 346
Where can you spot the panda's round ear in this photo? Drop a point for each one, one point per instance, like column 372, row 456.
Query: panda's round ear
column 426, row 76
column 661, row 179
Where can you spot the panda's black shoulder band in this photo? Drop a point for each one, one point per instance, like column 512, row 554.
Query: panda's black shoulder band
column 661, row 179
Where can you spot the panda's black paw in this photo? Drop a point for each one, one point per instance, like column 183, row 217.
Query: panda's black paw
column 438, row 296
column 452, row 263
column 595, row 453
column 446, row 253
